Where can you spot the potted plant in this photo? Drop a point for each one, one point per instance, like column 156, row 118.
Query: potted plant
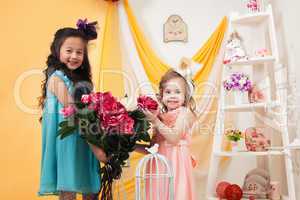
column 239, row 85
column 235, row 138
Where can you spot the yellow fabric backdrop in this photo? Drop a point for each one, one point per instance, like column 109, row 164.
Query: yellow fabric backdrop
column 27, row 29
column 110, row 69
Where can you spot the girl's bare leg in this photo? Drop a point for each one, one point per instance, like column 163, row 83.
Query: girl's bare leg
column 63, row 195
column 90, row 196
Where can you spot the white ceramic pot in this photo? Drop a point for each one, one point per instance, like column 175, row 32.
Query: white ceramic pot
column 240, row 97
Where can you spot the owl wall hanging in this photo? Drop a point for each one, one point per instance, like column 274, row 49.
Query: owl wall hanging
column 175, row 30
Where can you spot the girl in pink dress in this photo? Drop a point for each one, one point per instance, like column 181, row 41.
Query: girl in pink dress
column 172, row 131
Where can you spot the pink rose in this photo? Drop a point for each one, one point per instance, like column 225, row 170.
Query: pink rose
column 112, row 107
column 95, row 97
column 121, row 123
column 68, row 111
column 110, row 121
column 99, row 96
column 254, row 134
column 86, row 99
column 127, row 125
column 105, row 104
column 145, row 102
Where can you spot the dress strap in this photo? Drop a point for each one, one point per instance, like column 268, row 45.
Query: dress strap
column 63, row 76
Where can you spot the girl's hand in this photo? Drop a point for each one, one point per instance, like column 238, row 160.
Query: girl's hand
column 99, row 153
column 157, row 138
column 151, row 116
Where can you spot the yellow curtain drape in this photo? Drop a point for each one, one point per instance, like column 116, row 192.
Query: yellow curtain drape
column 110, row 62
column 155, row 68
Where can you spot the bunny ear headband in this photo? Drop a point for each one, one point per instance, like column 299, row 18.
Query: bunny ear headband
column 187, row 69
column 89, row 29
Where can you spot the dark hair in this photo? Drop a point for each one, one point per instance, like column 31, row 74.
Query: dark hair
column 82, row 73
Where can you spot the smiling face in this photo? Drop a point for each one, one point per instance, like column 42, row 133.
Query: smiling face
column 72, row 52
column 173, row 93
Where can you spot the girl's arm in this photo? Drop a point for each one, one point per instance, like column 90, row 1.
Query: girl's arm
column 184, row 123
column 59, row 89
column 99, row 153
column 156, row 138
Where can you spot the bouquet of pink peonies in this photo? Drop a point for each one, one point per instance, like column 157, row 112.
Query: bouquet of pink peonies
column 103, row 121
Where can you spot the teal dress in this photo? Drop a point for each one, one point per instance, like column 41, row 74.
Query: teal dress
column 68, row 164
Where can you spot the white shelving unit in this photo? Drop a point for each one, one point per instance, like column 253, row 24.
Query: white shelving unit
column 274, row 102
column 250, row 18
column 215, row 198
column 249, row 153
column 253, row 61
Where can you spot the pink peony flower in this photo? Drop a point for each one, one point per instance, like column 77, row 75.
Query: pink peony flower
column 68, row 111
column 113, row 115
column 98, row 97
column 127, row 125
column 110, row 121
column 145, row 102
column 121, row 123
column 86, row 99
column 112, row 107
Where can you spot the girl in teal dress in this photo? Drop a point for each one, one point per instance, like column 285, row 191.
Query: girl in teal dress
column 71, row 165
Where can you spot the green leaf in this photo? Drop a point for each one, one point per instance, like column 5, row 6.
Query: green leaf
column 137, row 115
column 145, row 137
column 63, row 123
column 92, row 117
column 141, row 126
column 66, row 131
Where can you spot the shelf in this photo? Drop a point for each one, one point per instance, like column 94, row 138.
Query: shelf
column 253, row 61
column 250, row 106
column 248, row 153
column 251, row 18
column 215, row 198
column 295, row 145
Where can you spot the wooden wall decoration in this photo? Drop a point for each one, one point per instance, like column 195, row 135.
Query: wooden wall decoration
column 175, row 29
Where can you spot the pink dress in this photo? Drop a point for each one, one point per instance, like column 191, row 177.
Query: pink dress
column 179, row 158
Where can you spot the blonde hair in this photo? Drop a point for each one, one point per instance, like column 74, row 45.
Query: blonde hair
column 188, row 99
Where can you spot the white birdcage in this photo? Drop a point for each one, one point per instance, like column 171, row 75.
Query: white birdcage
column 154, row 177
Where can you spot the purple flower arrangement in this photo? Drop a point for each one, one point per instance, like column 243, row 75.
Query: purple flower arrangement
column 238, row 81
